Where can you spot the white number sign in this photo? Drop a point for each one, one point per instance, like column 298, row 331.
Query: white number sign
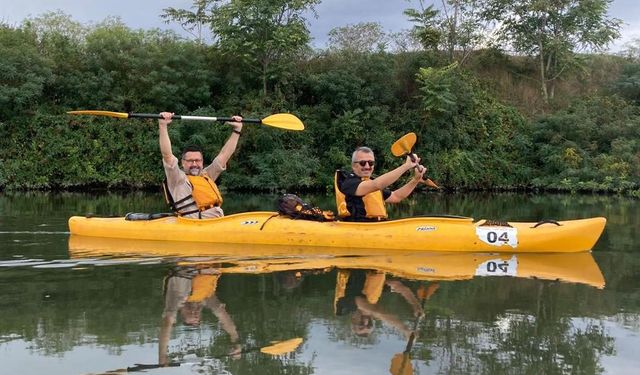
column 498, row 236
column 498, row 267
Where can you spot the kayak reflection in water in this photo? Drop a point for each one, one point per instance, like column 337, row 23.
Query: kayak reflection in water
column 358, row 292
column 188, row 291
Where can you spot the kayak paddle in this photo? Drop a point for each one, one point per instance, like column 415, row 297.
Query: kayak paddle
column 401, row 362
column 275, row 348
column 403, row 147
column 280, row 120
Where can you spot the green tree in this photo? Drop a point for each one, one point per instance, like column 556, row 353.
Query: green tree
column 552, row 32
column 24, row 72
column 462, row 29
column 628, row 83
column 361, row 37
column 426, row 25
column 632, row 49
column 473, row 140
column 192, row 21
column 264, row 34
column 62, row 40
column 149, row 69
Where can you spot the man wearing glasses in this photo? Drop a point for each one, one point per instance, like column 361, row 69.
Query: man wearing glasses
column 362, row 198
column 191, row 191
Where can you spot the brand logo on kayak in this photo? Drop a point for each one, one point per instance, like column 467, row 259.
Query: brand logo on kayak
column 425, row 269
column 249, row 222
column 425, row 228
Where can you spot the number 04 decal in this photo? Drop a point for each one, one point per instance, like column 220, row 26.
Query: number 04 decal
column 498, row 267
column 498, row 236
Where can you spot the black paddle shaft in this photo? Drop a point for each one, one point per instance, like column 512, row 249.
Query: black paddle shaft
column 178, row 117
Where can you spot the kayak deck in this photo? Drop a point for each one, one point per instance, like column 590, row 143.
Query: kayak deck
column 411, row 234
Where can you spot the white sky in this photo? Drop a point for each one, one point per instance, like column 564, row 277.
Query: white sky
column 145, row 14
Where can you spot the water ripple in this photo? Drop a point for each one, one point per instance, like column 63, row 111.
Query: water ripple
column 72, row 263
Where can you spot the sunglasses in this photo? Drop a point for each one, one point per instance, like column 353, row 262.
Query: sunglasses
column 365, row 162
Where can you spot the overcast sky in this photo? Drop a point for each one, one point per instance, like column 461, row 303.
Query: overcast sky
column 145, row 14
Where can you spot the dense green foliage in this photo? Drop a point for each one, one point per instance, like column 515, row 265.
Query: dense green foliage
column 472, row 130
column 264, row 35
column 592, row 145
column 475, row 140
column 553, row 32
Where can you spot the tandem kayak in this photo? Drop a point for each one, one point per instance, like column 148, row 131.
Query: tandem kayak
column 441, row 233
column 264, row 259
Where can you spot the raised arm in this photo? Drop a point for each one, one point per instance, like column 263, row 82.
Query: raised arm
column 378, row 313
column 163, row 341
column 165, row 141
column 230, row 145
column 404, row 191
column 406, row 293
column 380, row 183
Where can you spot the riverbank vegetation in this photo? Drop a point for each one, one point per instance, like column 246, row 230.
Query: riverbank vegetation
column 485, row 118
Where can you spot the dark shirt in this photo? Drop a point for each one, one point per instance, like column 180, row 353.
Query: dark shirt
column 355, row 204
column 353, row 289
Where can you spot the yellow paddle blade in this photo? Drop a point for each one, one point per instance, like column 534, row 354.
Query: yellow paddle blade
column 401, row 365
column 426, row 292
column 282, row 347
column 283, row 121
column 429, row 182
column 100, row 113
column 404, row 145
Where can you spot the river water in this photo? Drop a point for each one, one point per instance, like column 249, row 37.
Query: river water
column 91, row 308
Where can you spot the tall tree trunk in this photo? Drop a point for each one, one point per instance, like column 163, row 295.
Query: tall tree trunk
column 543, row 77
column 453, row 37
column 552, row 82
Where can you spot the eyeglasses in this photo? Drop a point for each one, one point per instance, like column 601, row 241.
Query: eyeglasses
column 365, row 162
column 192, row 161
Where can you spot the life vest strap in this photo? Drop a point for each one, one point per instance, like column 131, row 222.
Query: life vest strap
column 197, row 210
column 178, row 206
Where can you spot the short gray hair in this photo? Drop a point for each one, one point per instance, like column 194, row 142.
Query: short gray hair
column 364, row 149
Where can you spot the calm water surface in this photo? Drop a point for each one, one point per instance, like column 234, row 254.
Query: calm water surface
column 91, row 308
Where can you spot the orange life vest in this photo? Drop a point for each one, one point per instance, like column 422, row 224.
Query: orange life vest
column 204, row 195
column 373, row 202
column 205, row 192
column 372, row 289
column 202, row 287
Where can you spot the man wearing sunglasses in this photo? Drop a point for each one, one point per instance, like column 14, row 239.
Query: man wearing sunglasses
column 191, row 190
column 360, row 197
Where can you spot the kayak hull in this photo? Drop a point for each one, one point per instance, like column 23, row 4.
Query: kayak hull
column 411, row 234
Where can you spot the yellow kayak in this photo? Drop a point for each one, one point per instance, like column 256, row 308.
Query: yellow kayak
column 414, row 234
column 262, row 259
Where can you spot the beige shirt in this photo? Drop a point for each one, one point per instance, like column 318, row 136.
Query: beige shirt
column 178, row 290
column 179, row 185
